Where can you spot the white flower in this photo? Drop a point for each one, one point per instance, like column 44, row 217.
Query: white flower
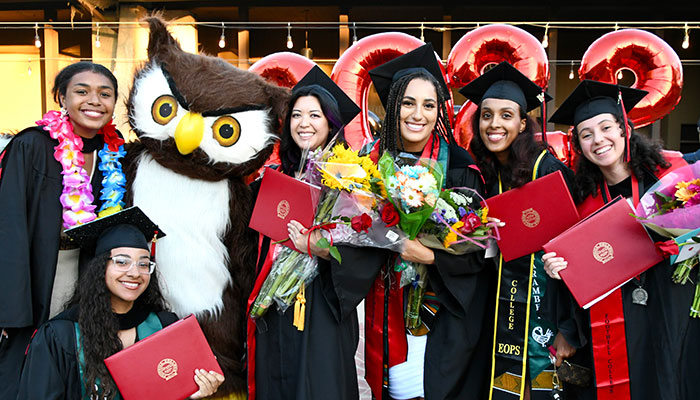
column 459, row 199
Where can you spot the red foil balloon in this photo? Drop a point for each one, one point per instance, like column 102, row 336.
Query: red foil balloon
column 655, row 64
column 351, row 73
column 488, row 45
column 284, row 69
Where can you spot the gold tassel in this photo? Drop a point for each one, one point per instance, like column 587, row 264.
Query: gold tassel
column 300, row 308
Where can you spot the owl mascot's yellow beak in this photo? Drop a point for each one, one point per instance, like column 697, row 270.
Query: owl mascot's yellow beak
column 189, row 132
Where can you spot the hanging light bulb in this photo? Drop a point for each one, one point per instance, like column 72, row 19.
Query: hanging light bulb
column 545, row 38
column 98, row 44
column 37, row 41
column 354, row 33
column 571, row 72
column 686, row 38
column 290, row 44
column 222, row 39
column 619, row 74
column 29, row 67
column 422, row 38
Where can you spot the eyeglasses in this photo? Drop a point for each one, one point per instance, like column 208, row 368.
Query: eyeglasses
column 124, row 264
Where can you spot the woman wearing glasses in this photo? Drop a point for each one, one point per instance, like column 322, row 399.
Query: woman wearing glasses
column 117, row 302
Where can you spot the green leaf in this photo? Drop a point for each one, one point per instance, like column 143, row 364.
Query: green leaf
column 335, row 254
column 323, row 243
column 346, row 219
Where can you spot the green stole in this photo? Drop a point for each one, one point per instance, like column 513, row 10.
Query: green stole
column 520, row 337
column 146, row 328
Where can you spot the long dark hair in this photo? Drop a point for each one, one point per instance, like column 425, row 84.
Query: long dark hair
column 644, row 156
column 390, row 134
column 523, row 151
column 290, row 153
column 64, row 76
column 98, row 325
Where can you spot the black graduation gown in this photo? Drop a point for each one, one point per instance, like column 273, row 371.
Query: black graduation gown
column 663, row 349
column 456, row 355
column 316, row 363
column 30, row 225
column 549, row 164
column 51, row 370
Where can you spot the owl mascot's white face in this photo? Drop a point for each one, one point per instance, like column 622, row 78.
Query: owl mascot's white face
column 203, row 126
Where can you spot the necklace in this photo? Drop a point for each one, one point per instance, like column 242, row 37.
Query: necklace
column 76, row 197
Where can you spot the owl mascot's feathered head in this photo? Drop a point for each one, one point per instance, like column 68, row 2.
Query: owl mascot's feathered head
column 203, row 126
column 208, row 110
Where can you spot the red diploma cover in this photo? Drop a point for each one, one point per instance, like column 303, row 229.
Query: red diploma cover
column 534, row 213
column 603, row 251
column 162, row 365
column 280, row 200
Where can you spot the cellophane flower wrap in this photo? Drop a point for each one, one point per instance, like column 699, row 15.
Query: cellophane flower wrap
column 459, row 223
column 362, row 213
column 413, row 186
column 671, row 207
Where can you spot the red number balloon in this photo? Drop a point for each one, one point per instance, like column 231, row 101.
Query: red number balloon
column 655, row 64
column 488, row 45
column 285, row 69
column 351, row 73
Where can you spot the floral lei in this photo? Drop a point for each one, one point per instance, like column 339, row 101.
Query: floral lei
column 77, row 197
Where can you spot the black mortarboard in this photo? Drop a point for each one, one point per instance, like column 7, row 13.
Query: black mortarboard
column 421, row 58
column 505, row 82
column 591, row 98
column 127, row 228
column 348, row 109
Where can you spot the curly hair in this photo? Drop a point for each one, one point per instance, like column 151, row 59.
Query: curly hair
column 64, row 76
column 644, row 156
column 98, row 325
column 290, row 153
column 391, row 127
column 523, row 150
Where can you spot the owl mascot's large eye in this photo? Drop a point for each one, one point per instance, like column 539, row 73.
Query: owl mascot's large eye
column 226, row 130
column 164, row 109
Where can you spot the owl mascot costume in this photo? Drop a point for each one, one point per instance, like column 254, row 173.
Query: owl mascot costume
column 203, row 126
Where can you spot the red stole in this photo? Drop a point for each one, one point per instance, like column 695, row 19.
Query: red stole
column 607, row 316
column 385, row 330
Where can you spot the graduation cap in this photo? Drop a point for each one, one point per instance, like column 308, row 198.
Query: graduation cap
column 422, row 58
column 591, row 98
column 316, row 76
column 127, row 228
column 504, row 81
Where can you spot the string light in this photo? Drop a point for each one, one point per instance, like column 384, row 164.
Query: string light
column 571, row 72
column 422, row 38
column 354, row 33
column 545, row 39
column 616, row 27
column 619, row 74
column 222, row 39
column 290, row 44
column 98, row 44
column 686, row 38
column 37, row 41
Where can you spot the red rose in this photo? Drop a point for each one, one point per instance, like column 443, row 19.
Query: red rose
column 471, row 222
column 667, row 248
column 389, row 215
column 361, row 222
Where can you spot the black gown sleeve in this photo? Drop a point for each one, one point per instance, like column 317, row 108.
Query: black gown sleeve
column 50, row 370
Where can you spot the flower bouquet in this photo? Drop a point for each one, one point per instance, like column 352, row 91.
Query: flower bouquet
column 459, row 223
column 671, row 208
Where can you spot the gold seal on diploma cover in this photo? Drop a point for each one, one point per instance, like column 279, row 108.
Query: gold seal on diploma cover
column 531, row 218
column 603, row 252
column 283, row 209
column 167, row 368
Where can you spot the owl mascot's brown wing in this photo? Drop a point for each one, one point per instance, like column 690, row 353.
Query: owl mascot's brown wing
column 203, row 126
